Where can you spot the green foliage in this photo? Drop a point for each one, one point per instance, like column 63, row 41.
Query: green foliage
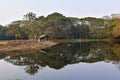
column 30, row 16
column 14, row 79
column 94, row 21
column 116, row 30
column 58, row 26
column 113, row 28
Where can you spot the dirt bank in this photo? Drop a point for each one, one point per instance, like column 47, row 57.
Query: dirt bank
column 23, row 45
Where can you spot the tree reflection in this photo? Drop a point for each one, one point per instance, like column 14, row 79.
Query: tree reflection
column 2, row 56
column 32, row 69
column 68, row 53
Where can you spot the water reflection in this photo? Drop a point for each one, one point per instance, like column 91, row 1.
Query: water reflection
column 57, row 57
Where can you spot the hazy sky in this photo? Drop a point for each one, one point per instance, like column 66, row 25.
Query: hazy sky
column 11, row 10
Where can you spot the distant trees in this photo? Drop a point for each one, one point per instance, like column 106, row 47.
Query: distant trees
column 25, row 29
column 115, row 27
column 30, row 16
column 4, row 33
column 95, row 25
column 58, row 26
column 18, row 29
column 116, row 30
column 31, row 24
column 115, row 15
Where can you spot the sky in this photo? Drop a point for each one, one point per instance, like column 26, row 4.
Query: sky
column 12, row 10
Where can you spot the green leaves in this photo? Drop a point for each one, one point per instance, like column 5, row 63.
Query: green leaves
column 116, row 30
column 30, row 16
column 58, row 26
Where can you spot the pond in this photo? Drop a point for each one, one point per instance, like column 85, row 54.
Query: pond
column 66, row 61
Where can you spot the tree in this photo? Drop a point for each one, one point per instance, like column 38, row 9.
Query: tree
column 32, row 24
column 116, row 30
column 106, row 17
column 56, row 25
column 30, row 16
column 95, row 26
column 18, row 29
column 111, row 28
column 115, row 15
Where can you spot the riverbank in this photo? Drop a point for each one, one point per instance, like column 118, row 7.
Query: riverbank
column 79, row 40
column 20, row 46
column 23, row 45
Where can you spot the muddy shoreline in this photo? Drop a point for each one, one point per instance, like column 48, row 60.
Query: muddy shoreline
column 19, row 46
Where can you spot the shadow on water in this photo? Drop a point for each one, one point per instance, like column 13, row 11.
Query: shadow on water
column 59, row 56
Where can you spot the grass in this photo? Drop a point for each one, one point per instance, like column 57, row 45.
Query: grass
column 3, row 42
column 79, row 40
column 14, row 79
column 22, row 45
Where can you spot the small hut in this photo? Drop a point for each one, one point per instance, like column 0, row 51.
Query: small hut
column 43, row 38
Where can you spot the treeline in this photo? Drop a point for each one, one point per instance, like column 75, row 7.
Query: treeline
column 58, row 26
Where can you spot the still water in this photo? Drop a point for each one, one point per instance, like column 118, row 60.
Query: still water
column 67, row 61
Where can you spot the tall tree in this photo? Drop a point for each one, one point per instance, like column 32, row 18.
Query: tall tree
column 116, row 30
column 32, row 25
column 18, row 29
column 30, row 16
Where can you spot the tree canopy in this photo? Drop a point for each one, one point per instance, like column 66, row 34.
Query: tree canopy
column 58, row 26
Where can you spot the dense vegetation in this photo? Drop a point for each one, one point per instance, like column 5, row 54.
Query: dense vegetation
column 58, row 26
